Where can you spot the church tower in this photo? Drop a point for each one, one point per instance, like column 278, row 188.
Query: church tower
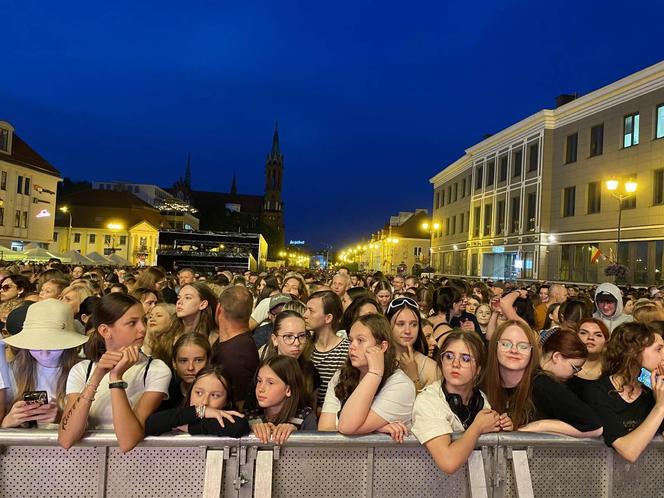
column 273, row 207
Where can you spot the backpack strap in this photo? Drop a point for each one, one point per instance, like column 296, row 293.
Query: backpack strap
column 147, row 367
column 88, row 372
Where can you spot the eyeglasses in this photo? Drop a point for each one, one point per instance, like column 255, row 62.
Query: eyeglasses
column 402, row 301
column 7, row 287
column 575, row 369
column 465, row 359
column 521, row 347
column 289, row 339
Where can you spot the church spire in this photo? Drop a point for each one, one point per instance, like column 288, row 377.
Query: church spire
column 187, row 173
column 275, row 140
column 234, row 185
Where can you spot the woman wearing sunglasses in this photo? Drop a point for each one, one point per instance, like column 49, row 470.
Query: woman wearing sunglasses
column 411, row 344
column 456, row 404
column 557, row 408
column 513, row 357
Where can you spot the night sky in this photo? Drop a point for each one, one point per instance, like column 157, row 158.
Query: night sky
column 372, row 98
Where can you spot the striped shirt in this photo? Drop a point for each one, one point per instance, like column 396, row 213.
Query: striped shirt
column 327, row 363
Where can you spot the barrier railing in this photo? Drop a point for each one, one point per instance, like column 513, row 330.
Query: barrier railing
column 319, row 464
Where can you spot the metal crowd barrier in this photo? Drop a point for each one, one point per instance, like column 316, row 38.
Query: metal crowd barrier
column 320, row 465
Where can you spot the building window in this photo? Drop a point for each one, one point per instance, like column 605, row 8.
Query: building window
column 597, row 140
column 476, row 221
column 461, row 222
column 3, row 180
column 442, row 198
column 4, row 140
column 456, row 192
column 478, row 177
column 449, row 194
column 532, row 210
column 658, row 187
column 515, row 210
column 55, row 236
column 77, row 238
column 447, row 226
column 571, row 148
column 469, row 184
column 92, row 238
column 490, row 173
column 488, row 211
column 17, row 219
column 19, row 185
column 517, row 160
column 463, row 188
column 502, row 165
column 2, row 216
column 631, row 130
column 569, row 195
column 26, row 189
column 533, row 156
column 25, row 219
column 436, row 202
column 594, row 197
column 107, row 240
column 123, row 240
column 659, row 126
column 453, row 229
column 500, row 217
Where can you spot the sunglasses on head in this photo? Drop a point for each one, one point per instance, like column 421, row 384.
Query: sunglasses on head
column 400, row 302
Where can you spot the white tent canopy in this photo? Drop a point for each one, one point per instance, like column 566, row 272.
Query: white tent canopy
column 40, row 254
column 116, row 259
column 79, row 259
column 98, row 258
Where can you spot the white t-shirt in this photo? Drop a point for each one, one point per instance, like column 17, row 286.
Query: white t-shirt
column 47, row 380
column 101, row 414
column 393, row 403
column 432, row 415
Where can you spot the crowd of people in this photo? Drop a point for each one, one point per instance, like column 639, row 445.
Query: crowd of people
column 146, row 352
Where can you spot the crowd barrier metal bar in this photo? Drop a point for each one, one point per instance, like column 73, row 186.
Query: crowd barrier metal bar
column 245, row 467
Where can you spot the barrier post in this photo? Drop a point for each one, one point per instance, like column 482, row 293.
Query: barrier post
column 524, row 483
column 214, row 472
column 476, row 475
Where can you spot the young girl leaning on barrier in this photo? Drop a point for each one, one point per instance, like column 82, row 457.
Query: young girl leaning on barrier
column 33, row 385
column 557, row 408
column 631, row 413
column 369, row 393
column 118, row 386
column 513, row 356
column 455, row 404
column 208, row 409
column 280, row 395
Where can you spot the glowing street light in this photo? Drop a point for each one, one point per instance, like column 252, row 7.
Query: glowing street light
column 630, row 187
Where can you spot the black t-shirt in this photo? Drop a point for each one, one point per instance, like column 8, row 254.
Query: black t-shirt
column 555, row 400
column 618, row 416
column 239, row 357
column 175, row 396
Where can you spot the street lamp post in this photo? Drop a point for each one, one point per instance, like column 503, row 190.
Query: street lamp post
column 65, row 209
column 630, row 190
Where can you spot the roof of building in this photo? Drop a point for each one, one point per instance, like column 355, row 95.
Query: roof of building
column 97, row 208
column 24, row 155
column 248, row 203
column 411, row 228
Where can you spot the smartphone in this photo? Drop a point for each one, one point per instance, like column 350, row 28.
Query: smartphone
column 35, row 397
column 644, row 378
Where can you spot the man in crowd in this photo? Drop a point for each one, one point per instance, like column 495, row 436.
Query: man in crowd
column 610, row 306
column 340, row 286
column 235, row 350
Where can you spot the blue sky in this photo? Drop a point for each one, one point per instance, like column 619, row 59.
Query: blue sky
column 373, row 98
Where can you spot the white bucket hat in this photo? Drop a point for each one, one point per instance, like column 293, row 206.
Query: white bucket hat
column 48, row 325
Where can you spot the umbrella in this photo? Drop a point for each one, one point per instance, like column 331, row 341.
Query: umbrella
column 40, row 254
column 98, row 259
column 78, row 259
column 118, row 260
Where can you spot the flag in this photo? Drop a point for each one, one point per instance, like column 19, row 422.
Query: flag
column 594, row 254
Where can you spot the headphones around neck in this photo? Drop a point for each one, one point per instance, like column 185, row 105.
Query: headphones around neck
column 465, row 413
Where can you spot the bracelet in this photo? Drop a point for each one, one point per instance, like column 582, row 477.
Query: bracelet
column 200, row 411
column 375, row 373
column 92, row 386
column 88, row 399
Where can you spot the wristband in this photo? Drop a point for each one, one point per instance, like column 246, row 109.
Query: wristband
column 118, row 385
column 200, row 411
